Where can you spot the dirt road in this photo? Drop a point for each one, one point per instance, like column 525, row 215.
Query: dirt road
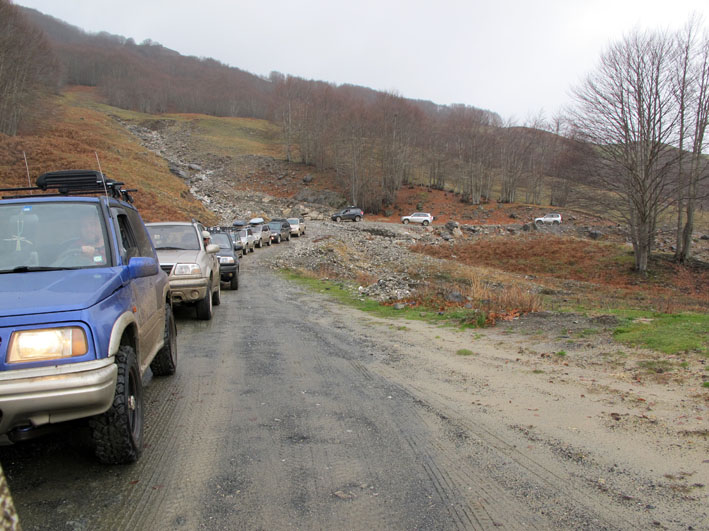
column 289, row 411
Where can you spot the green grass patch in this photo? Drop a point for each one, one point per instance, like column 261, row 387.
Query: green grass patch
column 561, row 353
column 230, row 136
column 461, row 318
column 705, row 384
column 668, row 333
column 464, row 352
column 658, row 366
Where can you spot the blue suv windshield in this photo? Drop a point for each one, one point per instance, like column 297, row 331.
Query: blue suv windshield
column 40, row 236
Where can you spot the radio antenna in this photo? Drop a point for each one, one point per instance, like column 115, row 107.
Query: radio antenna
column 103, row 177
column 27, row 167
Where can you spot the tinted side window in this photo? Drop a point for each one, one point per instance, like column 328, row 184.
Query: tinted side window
column 143, row 241
column 128, row 245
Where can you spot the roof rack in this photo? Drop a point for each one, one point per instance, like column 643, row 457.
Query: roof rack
column 74, row 182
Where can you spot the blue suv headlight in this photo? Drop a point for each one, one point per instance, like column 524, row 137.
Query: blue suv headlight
column 46, row 344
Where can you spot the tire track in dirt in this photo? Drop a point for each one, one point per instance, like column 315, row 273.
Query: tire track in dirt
column 187, row 414
column 447, row 487
column 474, row 474
column 308, row 463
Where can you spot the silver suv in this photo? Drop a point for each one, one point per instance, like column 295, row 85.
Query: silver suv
column 191, row 262
column 552, row 218
column 297, row 226
column 262, row 235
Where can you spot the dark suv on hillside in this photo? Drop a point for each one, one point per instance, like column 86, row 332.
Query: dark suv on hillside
column 85, row 310
column 351, row 213
column 280, row 230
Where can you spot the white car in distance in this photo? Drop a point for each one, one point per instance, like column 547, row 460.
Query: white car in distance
column 552, row 218
column 424, row 218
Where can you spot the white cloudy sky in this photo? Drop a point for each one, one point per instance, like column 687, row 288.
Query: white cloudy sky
column 515, row 57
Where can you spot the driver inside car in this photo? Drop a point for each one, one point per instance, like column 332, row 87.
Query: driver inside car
column 93, row 245
column 88, row 247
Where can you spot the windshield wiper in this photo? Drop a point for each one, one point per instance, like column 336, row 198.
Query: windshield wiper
column 27, row 269
column 170, row 248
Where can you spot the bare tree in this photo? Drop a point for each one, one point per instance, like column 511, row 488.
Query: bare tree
column 515, row 149
column 692, row 91
column 542, row 146
column 28, row 68
column 569, row 162
column 627, row 109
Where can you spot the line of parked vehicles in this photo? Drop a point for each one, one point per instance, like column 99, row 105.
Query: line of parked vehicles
column 87, row 307
column 198, row 259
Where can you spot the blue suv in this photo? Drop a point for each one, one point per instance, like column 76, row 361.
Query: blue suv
column 84, row 311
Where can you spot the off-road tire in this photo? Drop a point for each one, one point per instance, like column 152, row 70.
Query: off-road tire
column 204, row 306
column 425, row 223
column 118, row 433
column 338, row 219
column 165, row 361
column 234, row 282
column 217, row 295
column 358, row 218
column 555, row 222
column 406, row 222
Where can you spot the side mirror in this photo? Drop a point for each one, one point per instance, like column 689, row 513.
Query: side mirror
column 142, row 266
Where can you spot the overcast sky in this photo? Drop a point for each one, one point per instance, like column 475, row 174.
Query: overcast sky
column 514, row 57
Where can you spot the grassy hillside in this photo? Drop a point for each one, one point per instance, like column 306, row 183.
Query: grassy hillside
column 80, row 128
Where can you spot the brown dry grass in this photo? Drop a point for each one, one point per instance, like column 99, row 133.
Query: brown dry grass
column 585, row 271
column 73, row 136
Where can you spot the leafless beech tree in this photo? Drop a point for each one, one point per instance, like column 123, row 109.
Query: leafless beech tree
column 627, row 109
column 569, row 163
column 692, row 95
column 541, row 151
column 28, row 68
column 515, row 152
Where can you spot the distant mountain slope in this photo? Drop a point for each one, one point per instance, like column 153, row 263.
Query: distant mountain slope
column 151, row 78
column 188, row 84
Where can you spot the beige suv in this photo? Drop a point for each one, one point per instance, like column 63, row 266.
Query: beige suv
column 192, row 264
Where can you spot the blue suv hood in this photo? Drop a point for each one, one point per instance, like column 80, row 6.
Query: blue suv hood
column 56, row 291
